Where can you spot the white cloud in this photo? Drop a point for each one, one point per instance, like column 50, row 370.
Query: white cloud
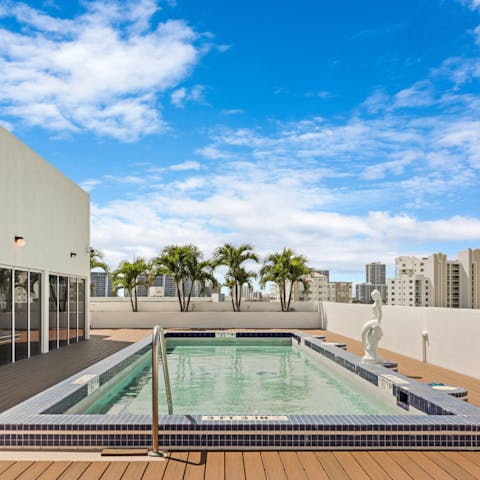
column 182, row 95
column 100, row 71
column 270, row 209
column 189, row 165
column 90, row 184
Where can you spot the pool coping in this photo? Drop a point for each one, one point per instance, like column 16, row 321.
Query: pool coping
column 450, row 423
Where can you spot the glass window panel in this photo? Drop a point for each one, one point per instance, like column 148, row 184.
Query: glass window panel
column 21, row 314
column 35, row 313
column 72, row 305
column 81, row 309
column 52, row 315
column 63, row 309
column 5, row 316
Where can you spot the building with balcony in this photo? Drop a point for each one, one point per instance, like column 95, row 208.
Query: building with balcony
column 435, row 281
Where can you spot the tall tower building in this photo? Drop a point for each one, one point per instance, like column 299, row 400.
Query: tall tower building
column 375, row 274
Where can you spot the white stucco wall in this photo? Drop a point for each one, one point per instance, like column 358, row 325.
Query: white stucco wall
column 453, row 334
column 49, row 211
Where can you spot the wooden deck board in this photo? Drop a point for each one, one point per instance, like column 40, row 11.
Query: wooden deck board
column 253, row 465
column 54, row 471
column 74, row 470
column 155, row 470
column 94, row 471
column 34, row 471
column 234, row 468
column 445, row 463
column 351, row 466
column 389, row 465
column 135, row 471
column 371, row 466
column 471, row 467
column 332, row 466
column 414, row 469
column 273, row 466
column 293, row 466
column 312, row 466
column 195, row 469
column 429, row 465
column 15, row 470
column 177, row 462
column 215, row 468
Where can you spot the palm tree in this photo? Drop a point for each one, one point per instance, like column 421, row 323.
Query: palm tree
column 184, row 263
column 234, row 258
column 129, row 276
column 285, row 269
column 96, row 257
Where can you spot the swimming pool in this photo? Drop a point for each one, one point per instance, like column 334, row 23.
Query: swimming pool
column 245, row 376
column 436, row 420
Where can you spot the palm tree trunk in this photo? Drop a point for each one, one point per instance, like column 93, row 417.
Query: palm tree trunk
column 290, row 297
column 136, row 300
column 189, row 297
column 233, row 300
column 179, row 295
column 239, row 298
column 280, row 289
column 131, row 300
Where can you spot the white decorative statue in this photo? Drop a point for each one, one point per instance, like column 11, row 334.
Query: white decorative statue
column 372, row 331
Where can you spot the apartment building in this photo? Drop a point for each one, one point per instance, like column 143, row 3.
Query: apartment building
column 435, row 281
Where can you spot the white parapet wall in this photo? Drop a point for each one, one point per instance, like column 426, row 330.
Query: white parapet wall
column 453, row 334
column 129, row 319
column 170, row 304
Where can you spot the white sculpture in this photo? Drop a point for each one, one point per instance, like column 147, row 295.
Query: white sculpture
column 372, row 331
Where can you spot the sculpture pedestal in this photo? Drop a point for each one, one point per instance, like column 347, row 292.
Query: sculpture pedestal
column 380, row 361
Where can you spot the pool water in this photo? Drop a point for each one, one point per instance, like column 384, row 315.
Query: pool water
column 263, row 379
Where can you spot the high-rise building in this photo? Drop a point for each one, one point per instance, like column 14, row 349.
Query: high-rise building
column 470, row 277
column 435, row 281
column 375, row 274
column 101, row 284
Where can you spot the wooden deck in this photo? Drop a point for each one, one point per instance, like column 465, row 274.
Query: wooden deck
column 27, row 377
column 377, row 465
column 34, row 375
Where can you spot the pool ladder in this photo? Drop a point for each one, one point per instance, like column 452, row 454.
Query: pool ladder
column 158, row 340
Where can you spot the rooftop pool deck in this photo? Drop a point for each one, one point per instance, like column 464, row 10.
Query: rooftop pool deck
column 449, row 423
column 41, row 372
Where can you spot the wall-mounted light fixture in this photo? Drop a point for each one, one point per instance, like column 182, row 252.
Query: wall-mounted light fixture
column 72, row 254
column 20, row 241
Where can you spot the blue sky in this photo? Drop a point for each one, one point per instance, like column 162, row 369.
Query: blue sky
column 347, row 130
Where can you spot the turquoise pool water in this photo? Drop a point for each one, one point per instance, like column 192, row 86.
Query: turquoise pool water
column 263, row 379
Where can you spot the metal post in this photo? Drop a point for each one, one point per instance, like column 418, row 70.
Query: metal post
column 158, row 340
column 166, row 376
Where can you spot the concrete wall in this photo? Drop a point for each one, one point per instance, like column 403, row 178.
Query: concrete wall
column 453, row 334
column 151, row 304
column 129, row 319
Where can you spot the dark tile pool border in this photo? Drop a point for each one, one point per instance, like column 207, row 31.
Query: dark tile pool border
column 450, row 423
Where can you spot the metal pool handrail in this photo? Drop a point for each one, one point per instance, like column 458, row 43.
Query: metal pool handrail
column 158, row 339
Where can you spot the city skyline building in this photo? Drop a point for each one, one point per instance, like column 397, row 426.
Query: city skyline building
column 375, row 276
column 435, row 281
